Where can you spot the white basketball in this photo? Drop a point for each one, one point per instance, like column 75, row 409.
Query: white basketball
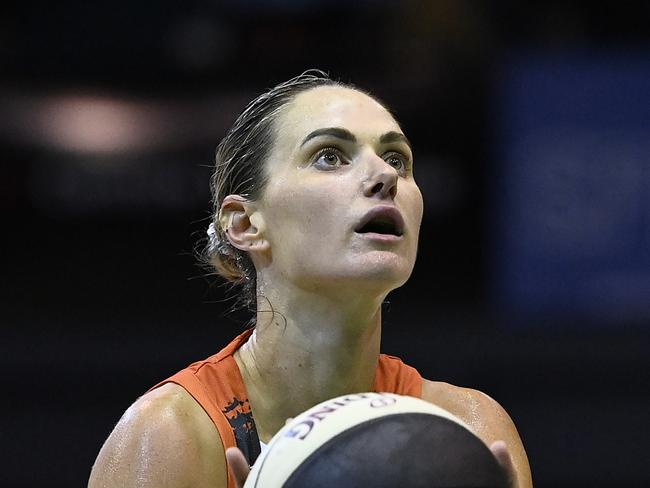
column 304, row 437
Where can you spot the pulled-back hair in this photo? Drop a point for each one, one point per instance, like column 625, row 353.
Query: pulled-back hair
column 240, row 170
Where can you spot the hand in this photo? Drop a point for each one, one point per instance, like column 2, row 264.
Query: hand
column 500, row 451
column 238, row 465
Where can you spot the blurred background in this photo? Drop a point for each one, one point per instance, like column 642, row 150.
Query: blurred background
column 531, row 128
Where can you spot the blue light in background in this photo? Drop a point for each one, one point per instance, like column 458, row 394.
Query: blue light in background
column 571, row 189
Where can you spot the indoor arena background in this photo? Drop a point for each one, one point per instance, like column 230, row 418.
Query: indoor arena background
column 531, row 128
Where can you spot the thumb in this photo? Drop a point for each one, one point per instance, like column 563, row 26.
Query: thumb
column 500, row 451
column 238, row 466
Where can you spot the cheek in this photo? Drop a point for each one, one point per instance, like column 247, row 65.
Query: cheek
column 420, row 208
column 302, row 215
column 413, row 205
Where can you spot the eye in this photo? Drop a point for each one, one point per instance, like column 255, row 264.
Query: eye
column 397, row 161
column 329, row 158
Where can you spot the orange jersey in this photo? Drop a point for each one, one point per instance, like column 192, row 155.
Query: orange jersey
column 217, row 385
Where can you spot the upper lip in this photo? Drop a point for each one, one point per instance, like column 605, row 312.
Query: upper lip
column 383, row 212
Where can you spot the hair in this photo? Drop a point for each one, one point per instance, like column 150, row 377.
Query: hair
column 240, row 169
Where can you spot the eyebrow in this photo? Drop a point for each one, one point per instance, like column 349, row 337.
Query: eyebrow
column 393, row 136
column 346, row 135
column 337, row 132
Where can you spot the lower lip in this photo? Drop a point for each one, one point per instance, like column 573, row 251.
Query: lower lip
column 380, row 237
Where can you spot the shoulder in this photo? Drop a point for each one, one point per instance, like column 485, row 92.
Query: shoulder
column 474, row 407
column 164, row 439
column 484, row 416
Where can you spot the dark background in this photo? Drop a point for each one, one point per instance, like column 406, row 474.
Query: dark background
column 110, row 113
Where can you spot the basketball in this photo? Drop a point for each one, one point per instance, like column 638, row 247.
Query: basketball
column 376, row 440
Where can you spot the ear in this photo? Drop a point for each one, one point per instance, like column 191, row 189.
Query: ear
column 242, row 223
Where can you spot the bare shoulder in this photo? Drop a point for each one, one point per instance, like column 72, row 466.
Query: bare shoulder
column 165, row 439
column 481, row 412
column 485, row 416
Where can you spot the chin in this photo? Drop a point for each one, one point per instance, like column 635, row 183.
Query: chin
column 387, row 272
column 377, row 272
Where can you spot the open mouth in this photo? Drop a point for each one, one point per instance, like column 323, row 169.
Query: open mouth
column 382, row 220
column 380, row 226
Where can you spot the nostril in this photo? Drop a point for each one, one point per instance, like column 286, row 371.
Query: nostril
column 377, row 188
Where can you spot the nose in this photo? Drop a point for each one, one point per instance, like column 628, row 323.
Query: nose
column 381, row 180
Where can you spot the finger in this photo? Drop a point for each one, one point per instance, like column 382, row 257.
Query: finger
column 500, row 451
column 238, row 465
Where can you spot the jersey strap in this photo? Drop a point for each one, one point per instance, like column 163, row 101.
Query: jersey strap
column 217, row 385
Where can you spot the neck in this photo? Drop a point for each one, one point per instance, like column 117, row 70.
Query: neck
column 305, row 349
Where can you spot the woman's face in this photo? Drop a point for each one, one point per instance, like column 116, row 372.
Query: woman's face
column 341, row 206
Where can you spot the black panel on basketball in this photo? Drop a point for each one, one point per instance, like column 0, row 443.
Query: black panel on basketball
column 403, row 450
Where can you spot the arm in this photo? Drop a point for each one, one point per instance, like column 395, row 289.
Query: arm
column 487, row 419
column 165, row 439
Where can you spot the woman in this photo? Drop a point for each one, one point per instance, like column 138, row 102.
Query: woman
column 317, row 215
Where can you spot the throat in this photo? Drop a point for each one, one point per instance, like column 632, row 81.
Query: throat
column 289, row 374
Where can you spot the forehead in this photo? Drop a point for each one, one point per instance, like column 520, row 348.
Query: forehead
column 333, row 106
